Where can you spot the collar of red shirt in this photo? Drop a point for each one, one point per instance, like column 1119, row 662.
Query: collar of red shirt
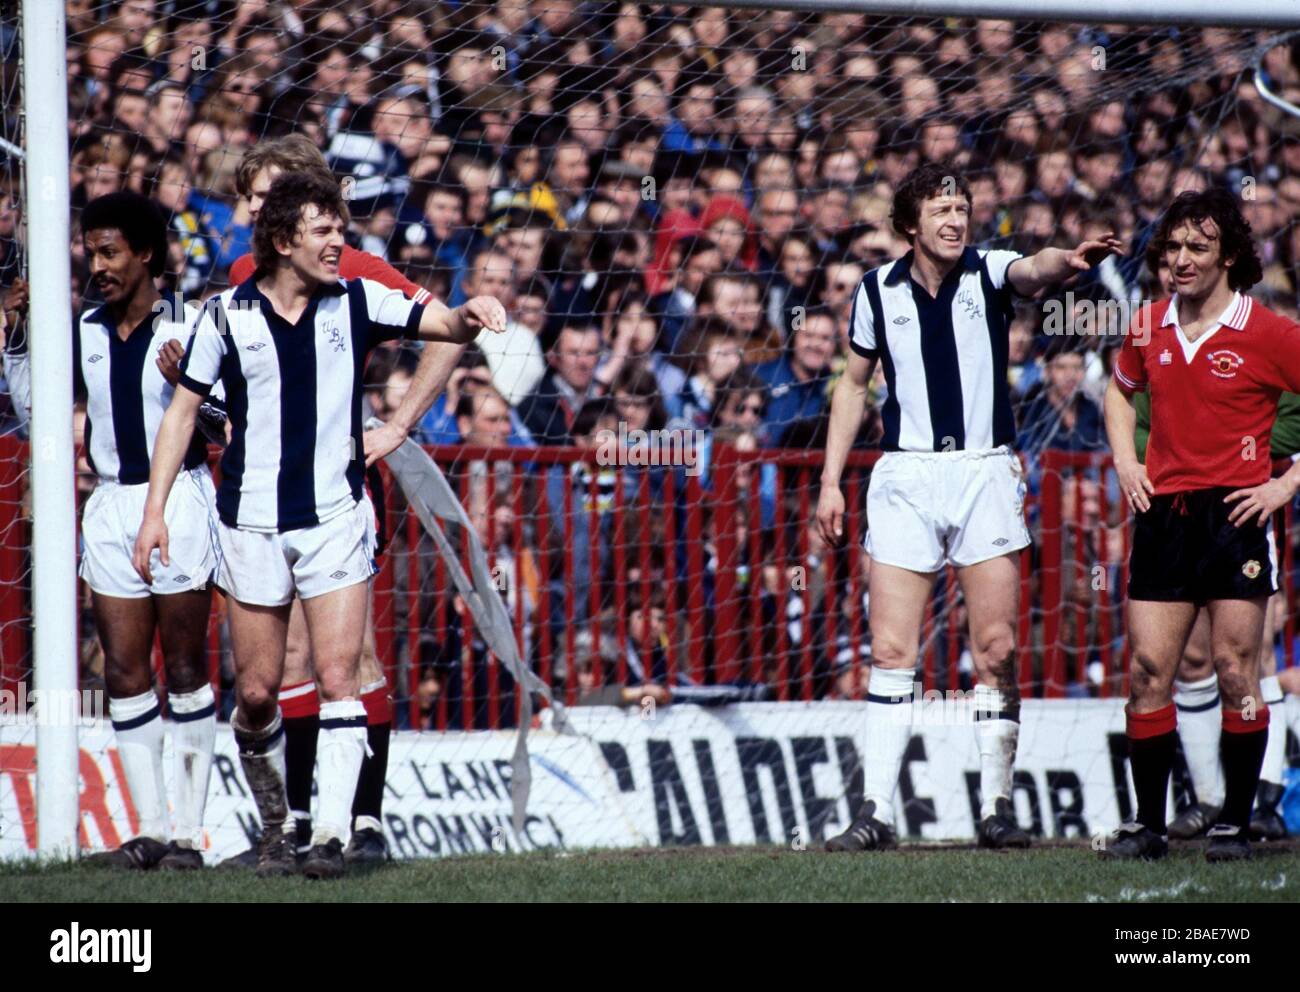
column 1234, row 315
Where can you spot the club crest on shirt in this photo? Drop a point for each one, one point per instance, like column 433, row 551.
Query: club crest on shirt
column 1166, row 357
column 335, row 336
column 967, row 300
column 1224, row 363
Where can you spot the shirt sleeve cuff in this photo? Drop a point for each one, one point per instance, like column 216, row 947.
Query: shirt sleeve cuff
column 412, row 330
column 194, row 386
column 1127, row 384
column 868, row 353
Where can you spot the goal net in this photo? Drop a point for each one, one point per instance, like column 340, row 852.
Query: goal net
column 676, row 205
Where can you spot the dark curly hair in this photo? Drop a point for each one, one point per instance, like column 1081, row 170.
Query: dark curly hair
column 282, row 213
column 923, row 182
column 1235, row 238
column 140, row 219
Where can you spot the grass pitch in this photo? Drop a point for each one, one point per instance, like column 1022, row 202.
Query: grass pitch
column 1059, row 873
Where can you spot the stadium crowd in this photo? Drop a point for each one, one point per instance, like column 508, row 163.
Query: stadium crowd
column 676, row 205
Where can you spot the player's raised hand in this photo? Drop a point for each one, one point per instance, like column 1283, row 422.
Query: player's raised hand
column 152, row 534
column 169, row 360
column 1090, row 253
column 1138, row 489
column 1260, row 501
column 830, row 515
column 484, row 311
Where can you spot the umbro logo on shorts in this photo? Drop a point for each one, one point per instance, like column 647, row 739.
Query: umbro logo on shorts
column 1000, row 542
column 181, row 578
column 257, row 346
column 901, row 320
column 94, row 358
column 340, row 574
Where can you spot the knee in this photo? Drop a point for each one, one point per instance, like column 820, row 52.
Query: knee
column 994, row 644
column 1195, row 666
column 256, row 700
column 336, row 680
column 1148, row 680
column 890, row 652
column 126, row 676
column 1237, row 682
column 186, row 671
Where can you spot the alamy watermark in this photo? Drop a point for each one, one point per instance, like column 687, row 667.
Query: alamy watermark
column 650, row 448
column 945, row 708
column 175, row 309
column 1071, row 315
column 53, row 707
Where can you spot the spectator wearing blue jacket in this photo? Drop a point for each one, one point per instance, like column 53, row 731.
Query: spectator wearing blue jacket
column 796, row 382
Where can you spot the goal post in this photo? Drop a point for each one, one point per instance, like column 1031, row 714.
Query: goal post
column 54, row 523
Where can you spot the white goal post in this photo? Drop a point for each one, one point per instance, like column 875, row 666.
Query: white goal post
column 54, row 497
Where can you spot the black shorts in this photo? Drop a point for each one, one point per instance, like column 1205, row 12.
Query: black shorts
column 1185, row 550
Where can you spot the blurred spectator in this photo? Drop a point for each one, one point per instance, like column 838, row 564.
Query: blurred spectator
column 569, row 381
column 515, row 357
column 1059, row 415
column 796, row 381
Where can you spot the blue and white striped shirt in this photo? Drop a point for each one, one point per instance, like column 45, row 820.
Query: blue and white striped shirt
column 125, row 392
column 944, row 358
column 293, row 395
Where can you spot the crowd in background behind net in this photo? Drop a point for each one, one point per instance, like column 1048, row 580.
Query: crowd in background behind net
column 676, row 205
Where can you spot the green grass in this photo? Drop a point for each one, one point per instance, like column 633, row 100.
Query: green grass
column 1056, row 873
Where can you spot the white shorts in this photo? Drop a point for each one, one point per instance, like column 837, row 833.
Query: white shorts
column 263, row 569
column 925, row 509
column 112, row 519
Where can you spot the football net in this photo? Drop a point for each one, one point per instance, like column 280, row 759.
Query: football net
column 676, row 206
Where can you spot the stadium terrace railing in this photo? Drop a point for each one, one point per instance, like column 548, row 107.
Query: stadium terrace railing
column 749, row 592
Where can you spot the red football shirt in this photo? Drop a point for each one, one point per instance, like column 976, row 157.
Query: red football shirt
column 353, row 264
column 1213, row 400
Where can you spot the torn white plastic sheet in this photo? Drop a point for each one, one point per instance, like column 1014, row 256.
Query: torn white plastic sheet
column 433, row 501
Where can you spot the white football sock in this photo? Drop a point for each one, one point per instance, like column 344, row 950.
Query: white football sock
column 339, row 753
column 194, row 736
column 1200, row 725
column 997, row 738
column 138, row 727
column 889, row 728
column 1270, row 690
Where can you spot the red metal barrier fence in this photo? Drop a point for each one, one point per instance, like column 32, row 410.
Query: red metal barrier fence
column 749, row 592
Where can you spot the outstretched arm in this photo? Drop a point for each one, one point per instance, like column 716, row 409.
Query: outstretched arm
column 451, row 330
column 462, row 325
column 1054, row 265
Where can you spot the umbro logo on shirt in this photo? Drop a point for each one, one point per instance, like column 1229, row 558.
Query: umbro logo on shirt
column 256, row 346
column 901, row 320
column 94, row 358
